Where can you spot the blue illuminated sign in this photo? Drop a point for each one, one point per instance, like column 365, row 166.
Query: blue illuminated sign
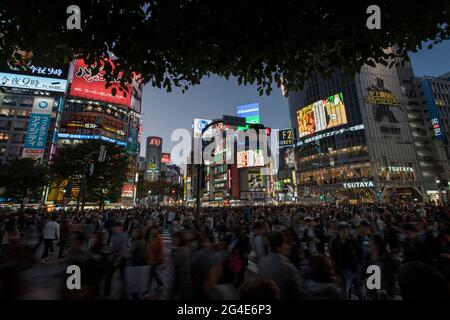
column 433, row 112
column 37, row 131
column 90, row 137
column 248, row 110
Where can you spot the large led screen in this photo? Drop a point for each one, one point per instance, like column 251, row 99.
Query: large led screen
column 87, row 85
column 250, row 158
column 321, row 115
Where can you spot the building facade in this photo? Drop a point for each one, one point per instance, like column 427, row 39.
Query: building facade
column 92, row 112
column 153, row 154
column 436, row 97
column 353, row 139
column 31, row 101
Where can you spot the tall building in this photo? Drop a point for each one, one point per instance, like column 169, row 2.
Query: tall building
column 153, row 155
column 436, row 95
column 233, row 170
column 31, row 101
column 354, row 141
column 92, row 112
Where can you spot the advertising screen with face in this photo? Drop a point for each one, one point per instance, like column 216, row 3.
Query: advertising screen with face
column 255, row 182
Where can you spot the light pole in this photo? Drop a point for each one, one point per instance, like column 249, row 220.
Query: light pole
column 86, row 161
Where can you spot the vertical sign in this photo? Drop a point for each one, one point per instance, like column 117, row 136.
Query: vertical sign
column 38, row 125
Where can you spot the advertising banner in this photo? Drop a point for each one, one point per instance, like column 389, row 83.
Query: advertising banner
column 250, row 112
column 435, row 119
column 321, row 115
column 255, row 180
column 242, row 159
column 284, row 137
column 127, row 190
column 199, row 125
column 20, row 72
column 165, row 157
column 252, row 195
column 31, row 82
column 89, row 86
column 154, row 141
column 250, row 158
column 38, row 125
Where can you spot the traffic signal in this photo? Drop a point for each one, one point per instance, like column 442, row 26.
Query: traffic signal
column 259, row 126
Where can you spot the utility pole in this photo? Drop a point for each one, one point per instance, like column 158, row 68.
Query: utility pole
column 101, row 158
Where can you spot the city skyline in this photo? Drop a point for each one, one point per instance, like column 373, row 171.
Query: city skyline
column 216, row 96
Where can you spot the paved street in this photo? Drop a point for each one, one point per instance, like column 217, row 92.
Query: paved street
column 44, row 281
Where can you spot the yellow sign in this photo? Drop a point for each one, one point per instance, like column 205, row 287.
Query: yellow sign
column 381, row 97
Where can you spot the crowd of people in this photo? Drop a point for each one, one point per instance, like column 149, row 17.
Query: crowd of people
column 287, row 252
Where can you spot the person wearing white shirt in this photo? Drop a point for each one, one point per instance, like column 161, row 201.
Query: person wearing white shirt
column 49, row 233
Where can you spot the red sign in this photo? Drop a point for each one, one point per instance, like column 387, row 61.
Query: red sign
column 86, row 85
column 154, row 141
column 165, row 157
column 127, row 190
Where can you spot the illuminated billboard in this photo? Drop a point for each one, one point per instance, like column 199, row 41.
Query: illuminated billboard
column 250, row 112
column 38, row 125
column 165, row 157
column 284, row 137
column 199, row 125
column 154, row 141
column 255, row 181
column 86, row 85
column 250, row 158
column 321, row 115
column 21, row 72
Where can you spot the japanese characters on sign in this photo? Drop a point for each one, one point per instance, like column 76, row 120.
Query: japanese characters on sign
column 38, row 125
column 32, row 82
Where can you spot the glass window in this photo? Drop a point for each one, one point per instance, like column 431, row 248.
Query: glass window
column 20, row 125
column 26, row 102
column 9, row 101
column 5, row 124
column 16, row 138
column 4, row 137
column 6, row 111
column 23, row 113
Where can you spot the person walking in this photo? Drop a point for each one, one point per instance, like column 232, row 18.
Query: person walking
column 154, row 256
column 49, row 234
column 346, row 260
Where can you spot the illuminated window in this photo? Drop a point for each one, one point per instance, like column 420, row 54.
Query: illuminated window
column 4, row 137
column 5, row 112
column 26, row 102
column 23, row 113
column 9, row 101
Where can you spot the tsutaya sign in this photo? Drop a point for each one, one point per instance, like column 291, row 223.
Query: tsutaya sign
column 360, row 184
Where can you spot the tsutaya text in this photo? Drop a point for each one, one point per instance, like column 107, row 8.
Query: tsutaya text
column 220, row 147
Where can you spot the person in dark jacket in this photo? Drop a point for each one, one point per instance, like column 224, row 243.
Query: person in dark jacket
column 277, row 267
column 346, row 260
column 322, row 285
column 414, row 249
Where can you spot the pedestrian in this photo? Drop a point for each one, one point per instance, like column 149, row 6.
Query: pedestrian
column 49, row 234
